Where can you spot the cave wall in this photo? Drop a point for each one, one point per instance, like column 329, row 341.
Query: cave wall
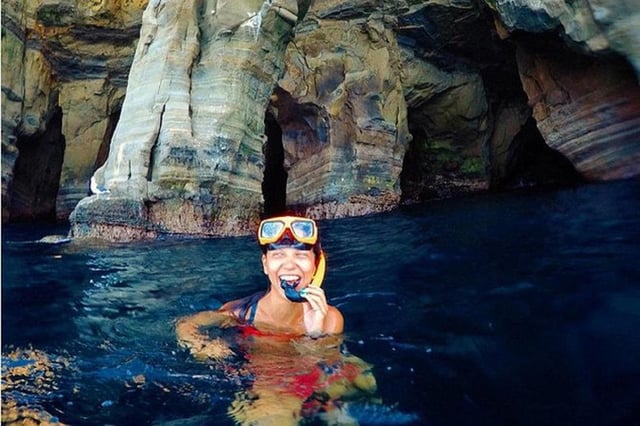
column 341, row 108
column 586, row 108
column 37, row 173
column 376, row 104
column 583, row 92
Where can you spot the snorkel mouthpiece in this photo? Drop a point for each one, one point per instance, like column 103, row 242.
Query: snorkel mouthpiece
column 289, row 287
column 290, row 291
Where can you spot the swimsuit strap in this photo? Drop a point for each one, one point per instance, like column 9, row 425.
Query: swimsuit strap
column 252, row 312
column 248, row 306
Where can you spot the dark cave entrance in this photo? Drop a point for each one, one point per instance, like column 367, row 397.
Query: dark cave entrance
column 36, row 174
column 532, row 163
column 274, row 183
column 416, row 168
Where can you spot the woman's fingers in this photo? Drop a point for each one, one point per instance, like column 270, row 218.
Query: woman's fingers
column 315, row 310
column 316, row 298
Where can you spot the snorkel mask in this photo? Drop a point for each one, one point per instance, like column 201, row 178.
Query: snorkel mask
column 293, row 232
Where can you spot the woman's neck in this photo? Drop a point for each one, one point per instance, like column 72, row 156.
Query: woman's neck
column 278, row 313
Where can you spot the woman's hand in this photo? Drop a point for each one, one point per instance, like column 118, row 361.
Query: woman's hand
column 216, row 349
column 200, row 345
column 315, row 311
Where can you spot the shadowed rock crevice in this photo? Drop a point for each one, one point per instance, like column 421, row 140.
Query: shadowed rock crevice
column 37, row 173
column 103, row 150
column 304, row 135
column 529, row 162
column 274, row 185
column 415, row 169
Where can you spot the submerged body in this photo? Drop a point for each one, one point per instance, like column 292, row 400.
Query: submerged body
column 289, row 335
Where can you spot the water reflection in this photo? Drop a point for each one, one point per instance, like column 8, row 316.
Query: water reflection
column 301, row 378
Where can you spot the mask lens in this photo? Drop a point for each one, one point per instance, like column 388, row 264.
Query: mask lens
column 302, row 229
column 271, row 230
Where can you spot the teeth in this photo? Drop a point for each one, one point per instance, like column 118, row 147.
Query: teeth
column 289, row 281
column 289, row 277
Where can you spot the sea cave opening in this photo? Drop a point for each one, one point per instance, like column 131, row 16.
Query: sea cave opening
column 36, row 174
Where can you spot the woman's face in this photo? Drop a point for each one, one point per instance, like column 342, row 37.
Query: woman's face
column 292, row 265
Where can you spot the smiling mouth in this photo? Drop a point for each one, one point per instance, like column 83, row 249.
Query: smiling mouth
column 290, row 280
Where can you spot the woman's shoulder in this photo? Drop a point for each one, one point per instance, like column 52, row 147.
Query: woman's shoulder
column 240, row 308
column 334, row 322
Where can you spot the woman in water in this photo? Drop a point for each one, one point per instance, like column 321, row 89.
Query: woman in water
column 289, row 335
column 293, row 304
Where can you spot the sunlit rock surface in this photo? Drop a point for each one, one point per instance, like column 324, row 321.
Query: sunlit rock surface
column 186, row 156
column 338, row 108
column 30, row 377
column 64, row 69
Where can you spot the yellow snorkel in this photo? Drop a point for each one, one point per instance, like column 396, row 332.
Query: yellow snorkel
column 316, row 281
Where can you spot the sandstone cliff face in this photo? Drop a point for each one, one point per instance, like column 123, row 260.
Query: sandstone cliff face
column 343, row 115
column 64, row 71
column 337, row 108
column 186, row 156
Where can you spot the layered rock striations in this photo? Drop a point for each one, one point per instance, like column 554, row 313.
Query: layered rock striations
column 197, row 116
column 186, row 156
column 343, row 115
column 64, row 72
column 589, row 113
column 586, row 101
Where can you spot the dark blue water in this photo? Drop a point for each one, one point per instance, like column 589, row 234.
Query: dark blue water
column 518, row 309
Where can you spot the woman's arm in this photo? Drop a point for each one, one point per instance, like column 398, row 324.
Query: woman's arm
column 201, row 346
column 320, row 318
column 334, row 321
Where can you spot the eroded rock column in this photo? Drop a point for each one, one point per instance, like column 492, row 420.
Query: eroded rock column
column 186, row 156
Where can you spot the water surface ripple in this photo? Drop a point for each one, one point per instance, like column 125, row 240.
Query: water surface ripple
column 512, row 309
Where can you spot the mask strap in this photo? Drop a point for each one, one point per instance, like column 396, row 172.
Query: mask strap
column 320, row 270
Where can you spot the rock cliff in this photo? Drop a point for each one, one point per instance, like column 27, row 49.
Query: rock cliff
column 196, row 116
column 64, row 74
